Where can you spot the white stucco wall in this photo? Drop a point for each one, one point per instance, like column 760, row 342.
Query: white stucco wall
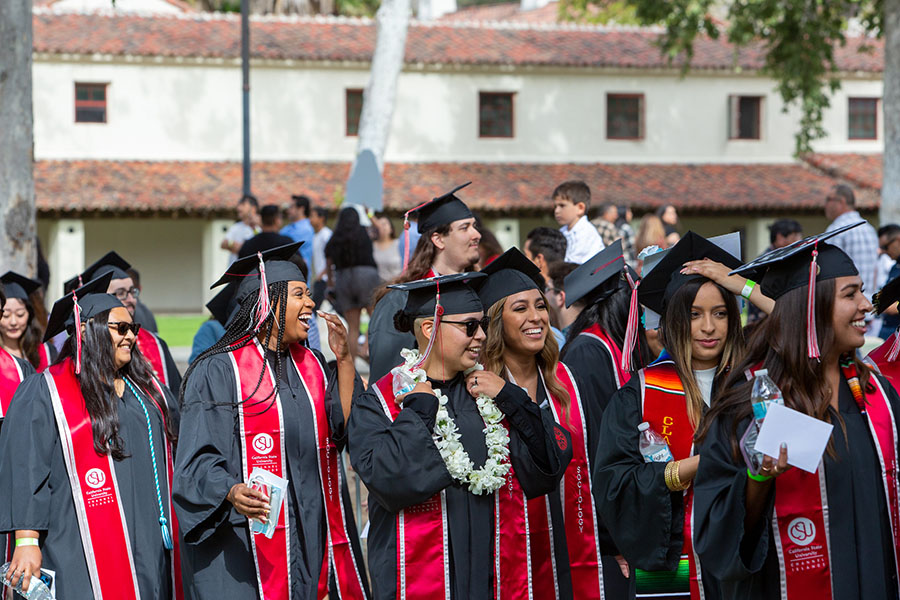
column 179, row 111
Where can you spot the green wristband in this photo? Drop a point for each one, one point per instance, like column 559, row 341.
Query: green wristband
column 758, row 477
column 26, row 541
column 748, row 289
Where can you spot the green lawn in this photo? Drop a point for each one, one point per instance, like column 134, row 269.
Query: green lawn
column 179, row 330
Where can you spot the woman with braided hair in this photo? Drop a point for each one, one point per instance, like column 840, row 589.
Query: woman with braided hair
column 260, row 399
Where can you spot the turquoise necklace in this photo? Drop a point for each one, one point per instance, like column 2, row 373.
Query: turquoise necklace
column 163, row 522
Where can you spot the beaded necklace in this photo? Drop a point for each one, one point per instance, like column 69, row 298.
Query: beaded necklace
column 163, row 522
column 848, row 368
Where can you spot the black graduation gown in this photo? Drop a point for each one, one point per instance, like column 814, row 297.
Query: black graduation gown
column 385, row 342
column 645, row 519
column 401, row 466
column 209, row 464
column 746, row 562
column 594, row 367
column 33, row 468
column 171, row 368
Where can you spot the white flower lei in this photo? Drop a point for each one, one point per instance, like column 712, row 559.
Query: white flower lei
column 492, row 475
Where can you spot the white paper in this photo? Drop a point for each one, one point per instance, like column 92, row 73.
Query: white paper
column 805, row 436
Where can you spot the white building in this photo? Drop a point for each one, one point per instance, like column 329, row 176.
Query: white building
column 138, row 130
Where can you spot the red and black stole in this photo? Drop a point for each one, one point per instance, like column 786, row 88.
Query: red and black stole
column 152, row 350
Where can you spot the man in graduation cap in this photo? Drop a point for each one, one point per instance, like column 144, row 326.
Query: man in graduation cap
column 86, row 456
column 448, row 245
column 437, row 462
column 154, row 349
column 259, row 399
column 884, row 357
column 766, row 530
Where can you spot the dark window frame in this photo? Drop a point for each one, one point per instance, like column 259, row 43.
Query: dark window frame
column 347, row 116
column 877, row 105
column 512, row 114
column 734, row 132
column 640, row 115
column 91, row 104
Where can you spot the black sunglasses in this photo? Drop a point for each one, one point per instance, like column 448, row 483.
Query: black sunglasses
column 472, row 325
column 122, row 328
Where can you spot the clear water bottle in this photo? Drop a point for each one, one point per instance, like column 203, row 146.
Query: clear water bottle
column 652, row 445
column 764, row 394
column 37, row 589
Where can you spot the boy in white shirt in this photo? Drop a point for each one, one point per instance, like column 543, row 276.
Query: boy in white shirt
column 571, row 201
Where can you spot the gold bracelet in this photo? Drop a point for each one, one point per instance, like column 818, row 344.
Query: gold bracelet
column 670, row 483
column 673, row 478
column 677, row 476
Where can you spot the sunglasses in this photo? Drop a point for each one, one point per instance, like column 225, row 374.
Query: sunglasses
column 472, row 325
column 122, row 327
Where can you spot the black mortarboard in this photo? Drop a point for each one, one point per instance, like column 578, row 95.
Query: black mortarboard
column 92, row 300
column 887, row 295
column 663, row 281
column 245, row 272
column 598, row 277
column 510, row 273
column 223, row 304
column 110, row 262
column 18, row 286
column 442, row 210
column 457, row 296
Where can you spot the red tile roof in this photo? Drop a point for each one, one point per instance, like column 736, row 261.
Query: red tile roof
column 342, row 39
column 499, row 188
column 859, row 170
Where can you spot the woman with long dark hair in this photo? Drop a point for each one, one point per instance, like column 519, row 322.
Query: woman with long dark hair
column 647, row 505
column 349, row 257
column 780, row 532
column 21, row 329
column 259, row 399
column 567, row 538
column 86, row 456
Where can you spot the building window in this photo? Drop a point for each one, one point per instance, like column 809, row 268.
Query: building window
column 90, row 103
column 744, row 117
column 863, row 119
column 495, row 114
column 625, row 116
column 354, row 102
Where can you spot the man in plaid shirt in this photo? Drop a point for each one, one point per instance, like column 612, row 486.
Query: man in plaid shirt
column 860, row 243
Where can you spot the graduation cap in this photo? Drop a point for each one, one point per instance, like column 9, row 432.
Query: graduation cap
column 110, row 262
column 510, row 273
column 78, row 306
column 435, row 213
column 18, row 286
column 666, row 278
column 223, row 304
column 258, row 272
column 804, row 262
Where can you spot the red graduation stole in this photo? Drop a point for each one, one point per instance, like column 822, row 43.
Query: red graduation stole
column 596, row 332
column 152, row 350
column 664, row 406
column 95, row 492
column 10, row 378
column 878, row 359
column 579, row 510
column 800, row 518
column 44, row 357
column 262, row 445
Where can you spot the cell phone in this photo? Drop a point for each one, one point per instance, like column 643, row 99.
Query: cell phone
column 47, row 578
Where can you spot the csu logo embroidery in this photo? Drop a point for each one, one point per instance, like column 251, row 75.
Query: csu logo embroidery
column 263, row 443
column 95, row 478
column 802, row 531
column 561, row 440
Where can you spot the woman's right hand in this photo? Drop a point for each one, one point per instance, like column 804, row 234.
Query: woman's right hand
column 26, row 561
column 251, row 503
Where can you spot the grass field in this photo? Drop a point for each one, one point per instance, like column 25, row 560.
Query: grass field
column 179, row 330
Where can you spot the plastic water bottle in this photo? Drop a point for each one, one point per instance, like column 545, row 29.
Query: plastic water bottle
column 37, row 589
column 652, row 445
column 763, row 394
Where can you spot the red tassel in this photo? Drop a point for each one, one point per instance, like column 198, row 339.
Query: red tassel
column 812, row 338
column 263, row 304
column 405, row 242
column 77, row 335
column 895, row 348
column 631, row 329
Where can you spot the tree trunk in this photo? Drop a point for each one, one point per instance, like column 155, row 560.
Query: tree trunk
column 17, row 217
column 890, row 187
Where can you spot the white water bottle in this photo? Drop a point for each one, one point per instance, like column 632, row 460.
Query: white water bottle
column 652, row 445
column 37, row 589
column 763, row 394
